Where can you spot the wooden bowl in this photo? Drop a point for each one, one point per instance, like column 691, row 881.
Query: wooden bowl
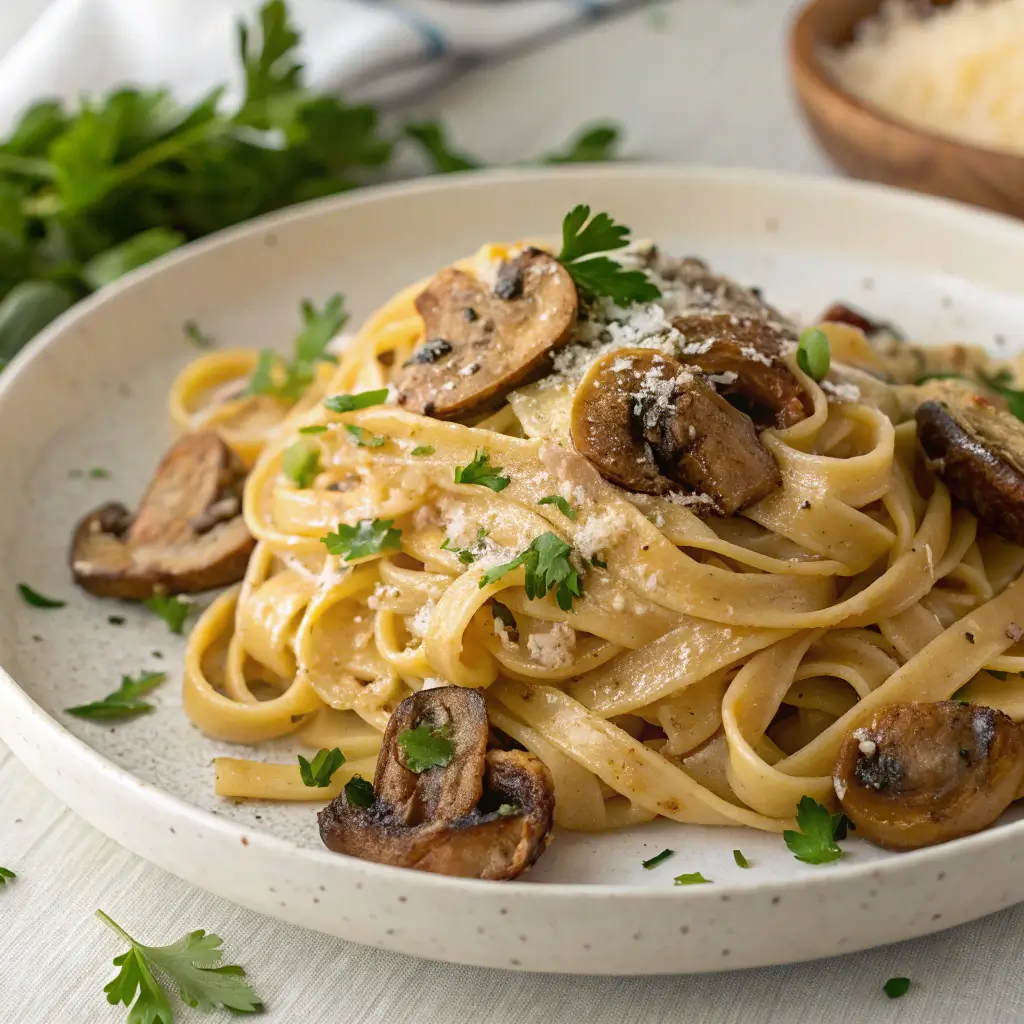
column 869, row 144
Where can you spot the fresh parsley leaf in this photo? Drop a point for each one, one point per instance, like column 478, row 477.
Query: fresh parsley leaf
column 658, row 858
column 504, row 615
column 694, row 878
column 172, row 609
column 197, row 335
column 318, row 772
column 359, row 792
column 741, row 861
column 138, row 250
column 813, row 353
column 319, row 326
column 815, row 842
column 5, row 875
column 192, row 964
column 315, row 428
column 423, row 449
column 367, row 537
column 301, row 463
column 599, row 275
column 364, row 438
column 37, row 600
column 841, row 825
column 999, row 383
column 547, row 567
column 124, row 701
column 896, row 987
column 592, row 145
column 352, row 403
column 598, row 563
column 431, row 136
column 560, row 503
column 425, row 747
column 464, row 555
column 99, row 473
column 479, row 472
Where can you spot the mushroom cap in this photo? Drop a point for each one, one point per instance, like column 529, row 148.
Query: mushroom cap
column 486, row 814
column 481, row 342
column 750, row 347
column 188, row 534
column 925, row 773
column 650, row 424
column 977, row 450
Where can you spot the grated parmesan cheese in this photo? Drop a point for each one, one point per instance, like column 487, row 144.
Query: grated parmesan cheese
column 553, row 648
column 957, row 71
column 433, row 682
column 600, row 532
column 419, row 623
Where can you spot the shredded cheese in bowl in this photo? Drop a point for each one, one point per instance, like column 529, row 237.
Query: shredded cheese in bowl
column 956, row 71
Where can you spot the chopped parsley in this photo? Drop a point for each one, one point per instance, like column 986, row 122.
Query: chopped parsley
column 547, row 567
column 658, row 858
column 359, row 792
column 741, row 861
column 99, row 473
column 479, row 472
column 506, row 618
column 999, row 383
column 560, row 503
column 116, row 620
column 694, row 878
column 896, row 987
column 124, row 701
column 423, row 449
column 466, row 555
column 193, row 963
column 360, row 400
column 197, row 335
column 314, row 428
column 368, row 537
column 37, row 600
column 301, row 463
column 507, row 810
column 815, row 842
column 288, row 380
column 598, row 275
column 598, row 563
column 5, row 875
column 813, row 354
column 841, row 825
column 364, row 438
column 318, row 772
column 425, row 747
column 172, row 609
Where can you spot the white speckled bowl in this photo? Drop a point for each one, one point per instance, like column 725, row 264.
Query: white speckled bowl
column 91, row 392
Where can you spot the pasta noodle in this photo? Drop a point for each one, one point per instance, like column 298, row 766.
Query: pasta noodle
column 710, row 668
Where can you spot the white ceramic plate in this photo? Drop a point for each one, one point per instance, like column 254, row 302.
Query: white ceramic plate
column 91, row 392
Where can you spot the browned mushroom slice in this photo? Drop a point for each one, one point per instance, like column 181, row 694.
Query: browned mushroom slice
column 748, row 351
column 977, row 450
column 482, row 343
column 188, row 534
column 649, row 424
column 480, row 814
column 922, row 774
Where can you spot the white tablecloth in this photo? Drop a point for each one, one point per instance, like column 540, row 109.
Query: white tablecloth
column 721, row 98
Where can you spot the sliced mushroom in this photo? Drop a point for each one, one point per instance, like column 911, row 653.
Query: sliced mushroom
column 482, row 342
column 187, row 535
column 747, row 351
column 926, row 773
column 484, row 814
column 650, row 424
column 977, row 450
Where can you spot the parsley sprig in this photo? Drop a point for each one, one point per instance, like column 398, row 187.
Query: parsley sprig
column 5, row 875
column 479, row 471
column 547, row 566
column 124, row 701
column 318, row 772
column 426, row 747
column 599, row 275
column 192, row 965
column 560, row 503
column 288, row 380
column 368, row 537
column 815, row 843
column 37, row 600
column 359, row 792
column 171, row 608
column 301, row 463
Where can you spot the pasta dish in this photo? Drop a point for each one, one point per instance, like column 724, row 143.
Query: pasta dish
column 603, row 537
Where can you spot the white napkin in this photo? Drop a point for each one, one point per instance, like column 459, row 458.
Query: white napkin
column 369, row 49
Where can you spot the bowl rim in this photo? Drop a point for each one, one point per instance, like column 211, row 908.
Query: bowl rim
column 809, row 75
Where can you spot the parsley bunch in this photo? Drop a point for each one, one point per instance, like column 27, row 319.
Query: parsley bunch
column 90, row 193
column 547, row 568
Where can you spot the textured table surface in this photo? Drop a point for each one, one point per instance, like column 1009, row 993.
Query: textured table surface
column 720, row 98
